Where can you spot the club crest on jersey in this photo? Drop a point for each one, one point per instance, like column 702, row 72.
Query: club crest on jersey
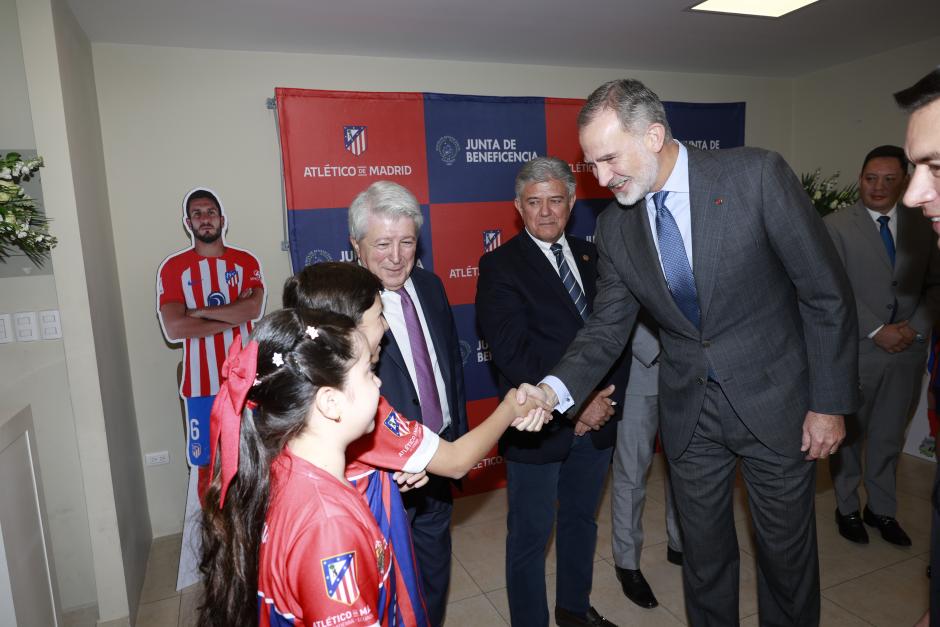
column 215, row 299
column 491, row 240
column 397, row 426
column 231, row 277
column 339, row 573
column 354, row 138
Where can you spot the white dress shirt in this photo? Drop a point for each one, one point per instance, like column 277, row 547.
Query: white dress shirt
column 893, row 227
column 391, row 304
column 546, row 249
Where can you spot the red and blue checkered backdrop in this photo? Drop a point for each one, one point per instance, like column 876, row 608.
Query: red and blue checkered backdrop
column 459, row 156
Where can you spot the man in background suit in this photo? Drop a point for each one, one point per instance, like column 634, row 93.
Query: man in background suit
column 533, row 294
column 420, row 367
column 636, row 443
column 922, row 101
column 894, row 267
column 758, row 332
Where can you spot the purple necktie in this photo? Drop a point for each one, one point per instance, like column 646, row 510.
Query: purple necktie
column 431, row 414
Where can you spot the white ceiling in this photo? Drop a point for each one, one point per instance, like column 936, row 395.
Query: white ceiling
column 642, row 34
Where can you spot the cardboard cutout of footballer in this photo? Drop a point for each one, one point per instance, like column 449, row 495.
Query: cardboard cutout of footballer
column 208, row 296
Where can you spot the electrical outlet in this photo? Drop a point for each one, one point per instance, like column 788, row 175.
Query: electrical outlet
column 157, row 459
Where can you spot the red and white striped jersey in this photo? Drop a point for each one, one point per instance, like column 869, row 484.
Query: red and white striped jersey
column 196, row 281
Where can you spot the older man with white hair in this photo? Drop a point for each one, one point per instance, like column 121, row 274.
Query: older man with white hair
column 420, row 367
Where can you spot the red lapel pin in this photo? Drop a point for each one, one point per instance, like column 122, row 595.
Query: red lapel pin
column 718, row 201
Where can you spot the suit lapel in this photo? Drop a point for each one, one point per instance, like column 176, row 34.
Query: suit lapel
column 586, row 267
column 542, row 267
column 870, row 232
column 639, row 246
column 907, row 244
column 433, row 320
column 707, row 211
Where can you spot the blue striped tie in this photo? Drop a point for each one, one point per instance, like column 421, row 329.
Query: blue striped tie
column 676, row 267
column 574, row 290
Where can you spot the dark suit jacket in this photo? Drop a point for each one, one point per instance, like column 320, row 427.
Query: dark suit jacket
column 397, row 386
column 914, row 280
column 779, row 325
column 528, row 320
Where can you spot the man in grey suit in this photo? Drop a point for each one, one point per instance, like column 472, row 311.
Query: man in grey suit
column 757, row 324
column 636, row 442
column 893, row 264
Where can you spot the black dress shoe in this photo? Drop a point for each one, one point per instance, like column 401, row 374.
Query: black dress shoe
column 635, row 587
column 673, row 556
column 851, row 527
column 564, row 618
column 890, row 529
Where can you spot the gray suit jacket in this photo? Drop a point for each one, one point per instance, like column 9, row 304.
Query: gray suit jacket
column 644, row 367
column 778, row 318
column 914, row 280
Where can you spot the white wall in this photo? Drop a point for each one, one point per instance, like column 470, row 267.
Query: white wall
column 174, row 118
column 34, row 373
column 842, row 112
column 104, row 299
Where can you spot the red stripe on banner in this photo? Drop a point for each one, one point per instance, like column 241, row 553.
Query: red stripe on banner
column 490, row 472
column 457, row 232
column 320, row 171
column 561, row 116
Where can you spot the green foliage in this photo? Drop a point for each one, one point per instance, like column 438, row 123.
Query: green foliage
column 22, row 225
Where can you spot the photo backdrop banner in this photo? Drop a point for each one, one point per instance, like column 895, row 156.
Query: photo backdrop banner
column 459, row 156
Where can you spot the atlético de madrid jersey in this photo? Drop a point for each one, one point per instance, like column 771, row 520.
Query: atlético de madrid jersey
column 323, row 560
column 196, row 281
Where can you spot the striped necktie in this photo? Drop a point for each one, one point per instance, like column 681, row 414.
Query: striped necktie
column 567, row 278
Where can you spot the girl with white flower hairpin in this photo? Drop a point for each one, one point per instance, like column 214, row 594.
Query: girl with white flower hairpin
column 286, row 539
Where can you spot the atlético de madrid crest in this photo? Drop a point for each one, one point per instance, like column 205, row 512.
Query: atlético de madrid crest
column 354, row 138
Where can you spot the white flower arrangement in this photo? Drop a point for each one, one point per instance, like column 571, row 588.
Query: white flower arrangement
column 824, row 195
column 22, row 225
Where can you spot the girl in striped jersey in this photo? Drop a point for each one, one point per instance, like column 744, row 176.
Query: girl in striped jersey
column 287, row 540
column 398, row 450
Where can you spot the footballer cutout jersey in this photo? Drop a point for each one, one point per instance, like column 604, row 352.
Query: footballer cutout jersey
column 323, row 560
column 196, row 281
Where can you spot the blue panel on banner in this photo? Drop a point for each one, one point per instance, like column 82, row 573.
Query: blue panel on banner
column 478, row 374
column 584, row 217
column 476, row 144
column 708, row 126
column 323, row 235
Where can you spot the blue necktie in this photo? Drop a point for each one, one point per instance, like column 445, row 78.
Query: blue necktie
column 567, row 278
column 676, row 266
column 886, row 237
column 889, row 247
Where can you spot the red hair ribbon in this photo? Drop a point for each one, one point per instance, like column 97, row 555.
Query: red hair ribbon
column 238, row 375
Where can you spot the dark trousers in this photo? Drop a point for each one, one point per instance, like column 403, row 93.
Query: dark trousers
column 533, row 490
column 429, row 510
column 781, row 497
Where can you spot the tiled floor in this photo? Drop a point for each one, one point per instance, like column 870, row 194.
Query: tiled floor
column 877, row 584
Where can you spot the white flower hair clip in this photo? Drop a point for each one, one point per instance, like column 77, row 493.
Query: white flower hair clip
column 278, row 360
column 313, row 333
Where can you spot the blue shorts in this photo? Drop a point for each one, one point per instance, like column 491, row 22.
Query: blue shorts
column 198, row 409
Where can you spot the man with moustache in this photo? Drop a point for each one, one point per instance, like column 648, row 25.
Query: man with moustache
column 894, row 267
column 922, row 145
column 208, row 295
column 758, row 332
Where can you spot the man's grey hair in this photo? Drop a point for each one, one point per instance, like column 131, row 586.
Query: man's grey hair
column 382, row 198
column 636, row 106
column 542, row 170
